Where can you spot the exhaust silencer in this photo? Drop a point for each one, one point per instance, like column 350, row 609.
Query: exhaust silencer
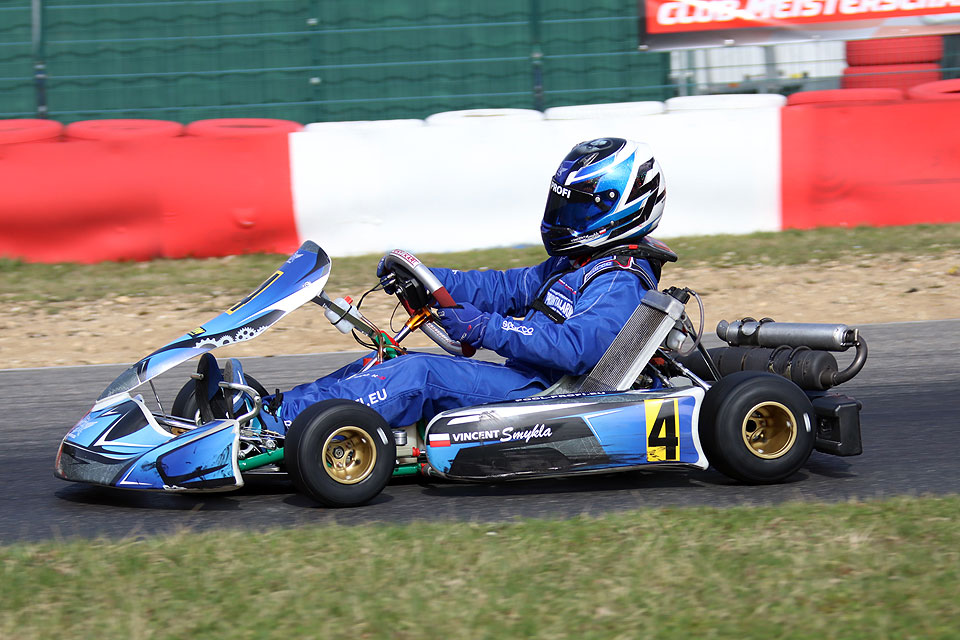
column 767, row 333
column 795, row 350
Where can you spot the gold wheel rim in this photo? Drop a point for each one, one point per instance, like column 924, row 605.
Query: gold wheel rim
column 769, row 430
column 349, row 455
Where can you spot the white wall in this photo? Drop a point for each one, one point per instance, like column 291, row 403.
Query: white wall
column 473, row 182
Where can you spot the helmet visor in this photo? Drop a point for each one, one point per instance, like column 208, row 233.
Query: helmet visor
column 575, row 209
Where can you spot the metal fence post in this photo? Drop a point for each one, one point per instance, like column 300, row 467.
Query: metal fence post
column 39, row 62
column 536, row 56
column 770, row 74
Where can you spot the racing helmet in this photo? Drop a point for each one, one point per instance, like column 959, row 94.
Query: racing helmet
column 605, row 191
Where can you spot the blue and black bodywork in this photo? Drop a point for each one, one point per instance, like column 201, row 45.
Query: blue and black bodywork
column 547, row 436
column 121, row 443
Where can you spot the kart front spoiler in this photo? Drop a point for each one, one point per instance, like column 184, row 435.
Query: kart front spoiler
column 120, row 443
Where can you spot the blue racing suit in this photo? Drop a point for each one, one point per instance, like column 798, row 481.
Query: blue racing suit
column 570, row 314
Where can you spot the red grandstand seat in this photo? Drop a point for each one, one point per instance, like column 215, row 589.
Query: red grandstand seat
column 894, row 76
column 894, row 51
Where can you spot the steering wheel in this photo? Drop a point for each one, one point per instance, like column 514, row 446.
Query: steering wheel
column 416, row 287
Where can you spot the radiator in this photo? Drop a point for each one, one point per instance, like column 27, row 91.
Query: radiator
column 638, row 340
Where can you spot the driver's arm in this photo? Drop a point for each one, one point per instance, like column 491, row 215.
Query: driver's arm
column 508, row 292
column 576, row 345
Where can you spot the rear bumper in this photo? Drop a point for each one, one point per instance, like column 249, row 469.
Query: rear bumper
column 838, row 425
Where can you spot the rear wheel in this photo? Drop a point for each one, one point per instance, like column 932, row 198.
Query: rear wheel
column 340, row 453
column 757, row 427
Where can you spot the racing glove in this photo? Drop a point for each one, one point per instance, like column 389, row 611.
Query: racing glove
column 388, row 288
column 464, row 323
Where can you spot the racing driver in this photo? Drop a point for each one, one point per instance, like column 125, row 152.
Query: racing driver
column 548, row 320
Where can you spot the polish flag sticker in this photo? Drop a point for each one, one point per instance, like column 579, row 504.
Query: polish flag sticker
column 439, row 440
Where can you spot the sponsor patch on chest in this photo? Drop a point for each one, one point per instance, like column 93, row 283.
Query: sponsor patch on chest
column 559, row 302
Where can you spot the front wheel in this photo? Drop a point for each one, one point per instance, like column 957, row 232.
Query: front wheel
column 340, row 453
column 757, row 427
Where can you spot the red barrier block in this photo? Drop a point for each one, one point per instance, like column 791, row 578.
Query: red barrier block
column 74, row 202
column 942, row 90
column 833, row 96
column 870, row 164
column 896, row 76
column 119, row 129
column 894, row 50
column 29, row 130
column 241, row 127
column 91, row 201
column 226, row 196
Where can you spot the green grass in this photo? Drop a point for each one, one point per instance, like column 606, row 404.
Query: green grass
column 879, row 569
column 883, row 569
column 239, row 274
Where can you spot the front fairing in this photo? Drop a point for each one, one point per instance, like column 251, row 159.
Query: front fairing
column 120, row 443
column 298, row 280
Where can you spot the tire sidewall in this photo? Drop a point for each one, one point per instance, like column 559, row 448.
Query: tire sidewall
column 724, row 410
column 307, row 436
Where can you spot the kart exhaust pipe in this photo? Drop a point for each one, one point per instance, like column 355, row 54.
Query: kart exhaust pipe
column 795, row 350
column 767, row 333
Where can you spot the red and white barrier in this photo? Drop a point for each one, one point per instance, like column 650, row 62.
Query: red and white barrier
column 466, row 181
column 136, row 190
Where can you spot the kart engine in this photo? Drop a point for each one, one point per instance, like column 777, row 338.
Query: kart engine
column 797, row 351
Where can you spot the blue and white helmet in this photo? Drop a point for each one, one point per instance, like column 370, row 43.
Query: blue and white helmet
column 604, row 192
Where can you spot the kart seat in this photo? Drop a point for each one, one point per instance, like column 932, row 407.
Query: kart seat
column 211, row 401
column 624, row 360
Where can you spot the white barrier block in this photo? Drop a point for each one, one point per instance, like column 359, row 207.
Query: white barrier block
column 460, row 186
column 483, row 116
column 727, row 101
column 609, row 110
column 427, row 189
column 364, row 125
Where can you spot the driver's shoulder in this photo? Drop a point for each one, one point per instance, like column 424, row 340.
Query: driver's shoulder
column 613, row 267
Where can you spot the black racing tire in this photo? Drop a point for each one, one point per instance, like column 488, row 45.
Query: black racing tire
column 325, row 436
column 185, row 404
column 757, row 427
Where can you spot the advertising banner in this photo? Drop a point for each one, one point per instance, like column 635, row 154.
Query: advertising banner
column 672, row 24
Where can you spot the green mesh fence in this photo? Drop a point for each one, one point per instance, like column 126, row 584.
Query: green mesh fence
column 17, row 96
column 590, row 56
column 317, row 60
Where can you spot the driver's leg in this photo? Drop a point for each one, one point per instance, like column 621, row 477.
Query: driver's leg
column 416, row 385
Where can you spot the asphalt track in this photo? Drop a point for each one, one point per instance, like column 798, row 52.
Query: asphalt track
column 910, row 390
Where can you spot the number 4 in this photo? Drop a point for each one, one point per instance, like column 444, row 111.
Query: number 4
column 663, row 440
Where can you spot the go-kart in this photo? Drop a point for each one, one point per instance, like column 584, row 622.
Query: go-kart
column 754, row 409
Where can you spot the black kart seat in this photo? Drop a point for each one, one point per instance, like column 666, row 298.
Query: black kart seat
column 624, row 360
column 211, row 402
